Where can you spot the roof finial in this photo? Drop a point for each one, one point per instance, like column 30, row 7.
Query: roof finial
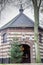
column 21, row 8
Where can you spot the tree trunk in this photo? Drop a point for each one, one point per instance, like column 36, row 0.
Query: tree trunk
column 36, row 41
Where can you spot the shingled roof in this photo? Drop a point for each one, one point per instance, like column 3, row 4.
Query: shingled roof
column 20, row 20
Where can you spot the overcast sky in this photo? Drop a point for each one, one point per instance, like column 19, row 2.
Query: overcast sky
column 10, row 12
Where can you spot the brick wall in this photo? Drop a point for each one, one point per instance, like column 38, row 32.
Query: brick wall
column 28, row 34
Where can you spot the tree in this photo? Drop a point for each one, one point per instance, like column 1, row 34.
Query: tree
column 16, row 52
column 36, row 5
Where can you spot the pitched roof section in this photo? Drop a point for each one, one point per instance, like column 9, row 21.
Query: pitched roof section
column 20, row 20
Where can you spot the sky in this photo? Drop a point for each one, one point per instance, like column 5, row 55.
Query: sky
column 10, row 12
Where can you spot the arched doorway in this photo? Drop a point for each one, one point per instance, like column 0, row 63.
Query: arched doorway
column 26, row 53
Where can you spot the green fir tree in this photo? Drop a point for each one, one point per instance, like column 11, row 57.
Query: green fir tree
column 16, row 52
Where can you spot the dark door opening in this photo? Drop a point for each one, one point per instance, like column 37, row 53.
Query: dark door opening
column 26, row 54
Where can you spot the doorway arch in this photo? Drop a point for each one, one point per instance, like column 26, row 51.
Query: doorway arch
column 26, row 53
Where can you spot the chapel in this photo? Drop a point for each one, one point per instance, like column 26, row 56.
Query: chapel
column 21, row 27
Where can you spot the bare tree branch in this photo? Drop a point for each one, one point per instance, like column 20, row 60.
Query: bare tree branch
column 34, row 2
column 40, row 3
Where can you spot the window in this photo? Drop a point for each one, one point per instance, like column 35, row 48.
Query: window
column 4, row 37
